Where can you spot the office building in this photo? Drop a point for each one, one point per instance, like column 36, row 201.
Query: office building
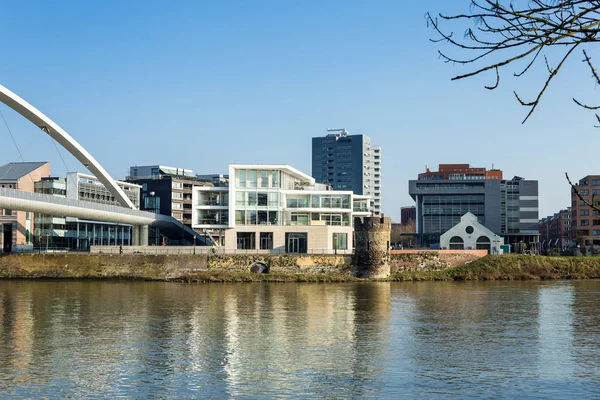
column 76, row 233
column 17, row 227
column 167, row 191
column 277, row 208
column 507, row 207
column 348, row 162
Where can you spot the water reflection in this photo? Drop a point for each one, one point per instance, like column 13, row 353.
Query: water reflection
column 111, row 339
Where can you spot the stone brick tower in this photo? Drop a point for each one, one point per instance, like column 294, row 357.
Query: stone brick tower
column 372, row 247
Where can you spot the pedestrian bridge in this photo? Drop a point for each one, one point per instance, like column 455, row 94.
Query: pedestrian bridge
column 52, row 205
column 13, row 199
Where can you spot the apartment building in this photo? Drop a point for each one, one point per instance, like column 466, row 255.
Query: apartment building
column 555, row 231
column 277, row 208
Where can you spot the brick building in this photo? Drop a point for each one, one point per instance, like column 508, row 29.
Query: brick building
column 555, row 232
column 586, row 220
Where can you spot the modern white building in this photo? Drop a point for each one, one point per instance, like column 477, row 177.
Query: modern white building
column 277, row 208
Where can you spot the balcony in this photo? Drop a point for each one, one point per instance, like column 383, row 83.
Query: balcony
column 212, row 203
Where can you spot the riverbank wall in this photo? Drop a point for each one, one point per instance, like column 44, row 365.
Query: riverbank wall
column 209, row 267
column 424, row 266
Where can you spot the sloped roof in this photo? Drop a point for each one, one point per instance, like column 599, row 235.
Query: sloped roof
column 468, row 219
column 12, row 172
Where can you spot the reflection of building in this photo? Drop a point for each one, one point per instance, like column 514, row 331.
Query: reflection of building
column 555, row 231
column 17, row 227
column 585, row 220
column 276, row 207
column 348, row 162
column 506, row 207
column 469, row 234
column 75, row 233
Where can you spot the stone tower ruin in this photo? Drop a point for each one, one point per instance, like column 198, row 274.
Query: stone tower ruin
column 372, row 247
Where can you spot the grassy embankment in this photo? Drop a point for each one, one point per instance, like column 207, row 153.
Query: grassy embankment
column 509, row 267
column 512, row 267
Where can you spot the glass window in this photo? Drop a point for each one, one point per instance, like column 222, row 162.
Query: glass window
column 240, row 217
column 240, row 198
column 262, row 199
column 346, row 201
column 262, row 217
column 274, row 199
column 264, row 179
column 326, row 202
column 316, row 201
column 336, row 202
column 340, row 241
column 266, row 240
column 241, row 178
column 299, row 219
column 252, row 198
column 245, row 240
column 273, row 217
column 275, row 179
column 252, row 178
column 251, row 217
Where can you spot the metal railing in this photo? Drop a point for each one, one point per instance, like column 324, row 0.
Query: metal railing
column 45, row 198
column 205, row 250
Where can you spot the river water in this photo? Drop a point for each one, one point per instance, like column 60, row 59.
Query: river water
column 68, row 339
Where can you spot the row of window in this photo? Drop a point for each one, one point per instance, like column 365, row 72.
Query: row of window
column 253, row 178
column 586, row 192
column 295, row 242
column 586, row 222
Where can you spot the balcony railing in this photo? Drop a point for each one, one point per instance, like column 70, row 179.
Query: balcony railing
column 211, row 221
column 212, row 203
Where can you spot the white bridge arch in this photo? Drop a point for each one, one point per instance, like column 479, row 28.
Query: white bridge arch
column 71, row 145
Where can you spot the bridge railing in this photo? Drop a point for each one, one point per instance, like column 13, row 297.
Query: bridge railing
column 190, row 250
column 64, row 201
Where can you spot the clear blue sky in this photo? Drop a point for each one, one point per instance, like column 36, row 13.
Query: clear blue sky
column 203, row 84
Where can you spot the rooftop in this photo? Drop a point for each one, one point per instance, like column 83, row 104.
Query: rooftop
column 12, row 172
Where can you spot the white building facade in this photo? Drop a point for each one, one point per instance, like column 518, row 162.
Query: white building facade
column 469, row 234
column 276, row 208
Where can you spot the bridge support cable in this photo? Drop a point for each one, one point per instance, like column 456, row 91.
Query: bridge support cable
column 16, row 146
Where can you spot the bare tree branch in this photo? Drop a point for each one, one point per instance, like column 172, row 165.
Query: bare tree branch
column 521, row 30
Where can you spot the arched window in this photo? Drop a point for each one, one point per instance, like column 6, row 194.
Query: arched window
column 457, row 243
column 483, row 243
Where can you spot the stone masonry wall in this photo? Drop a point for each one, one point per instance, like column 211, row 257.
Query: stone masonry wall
column 170, row 267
